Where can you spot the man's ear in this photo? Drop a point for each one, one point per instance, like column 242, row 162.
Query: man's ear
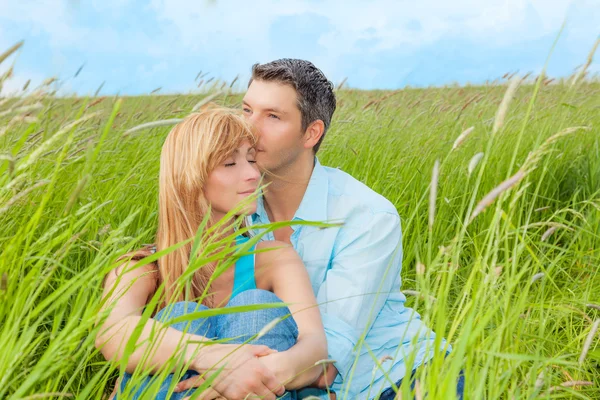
column 313, row 134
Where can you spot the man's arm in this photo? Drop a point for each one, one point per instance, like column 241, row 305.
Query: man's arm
column 366, row 263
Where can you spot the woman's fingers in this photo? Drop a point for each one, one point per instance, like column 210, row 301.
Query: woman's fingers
column 208, row 394
column 189, row 383
column 261, row 351
column 114, row 392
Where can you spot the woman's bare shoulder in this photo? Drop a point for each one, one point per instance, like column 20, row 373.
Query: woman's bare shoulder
column 274, row 250
column 128, row 266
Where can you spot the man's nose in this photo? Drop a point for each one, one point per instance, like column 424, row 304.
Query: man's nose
column 254, row 120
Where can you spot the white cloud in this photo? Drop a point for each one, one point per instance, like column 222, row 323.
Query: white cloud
column 238, row 34
column 389, row 24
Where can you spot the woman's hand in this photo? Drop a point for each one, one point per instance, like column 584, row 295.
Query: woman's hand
column 243, row 373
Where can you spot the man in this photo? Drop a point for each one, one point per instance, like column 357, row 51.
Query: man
column 354, row 269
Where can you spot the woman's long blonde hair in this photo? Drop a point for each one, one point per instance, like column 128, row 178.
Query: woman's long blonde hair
column 192, row 150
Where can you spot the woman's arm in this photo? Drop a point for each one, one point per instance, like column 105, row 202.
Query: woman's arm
column 283, row 271
column 126, row 292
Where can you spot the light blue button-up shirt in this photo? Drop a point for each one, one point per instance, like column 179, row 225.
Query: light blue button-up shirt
column 355, row 273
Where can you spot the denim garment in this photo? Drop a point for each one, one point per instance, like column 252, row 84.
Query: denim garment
column 238, row 326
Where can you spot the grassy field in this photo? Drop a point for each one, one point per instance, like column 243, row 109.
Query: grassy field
column 514, row 285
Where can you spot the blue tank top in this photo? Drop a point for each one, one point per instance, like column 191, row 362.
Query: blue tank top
column 243, row 274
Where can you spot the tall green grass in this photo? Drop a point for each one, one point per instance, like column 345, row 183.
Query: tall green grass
column 514, row 287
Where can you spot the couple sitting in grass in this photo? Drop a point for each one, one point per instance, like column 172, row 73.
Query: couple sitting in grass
column 332, row 322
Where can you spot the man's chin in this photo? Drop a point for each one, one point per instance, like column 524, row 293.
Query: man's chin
column 266, row 165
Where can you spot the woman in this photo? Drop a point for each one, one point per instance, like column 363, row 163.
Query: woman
column 208, row 162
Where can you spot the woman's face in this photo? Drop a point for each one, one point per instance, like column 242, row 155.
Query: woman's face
column 232, row 181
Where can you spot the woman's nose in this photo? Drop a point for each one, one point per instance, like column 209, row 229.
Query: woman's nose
column 251, row 172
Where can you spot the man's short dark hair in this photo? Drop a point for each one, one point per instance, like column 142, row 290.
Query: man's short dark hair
column 314, row 91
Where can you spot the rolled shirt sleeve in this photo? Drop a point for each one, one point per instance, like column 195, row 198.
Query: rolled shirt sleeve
column 364, row 269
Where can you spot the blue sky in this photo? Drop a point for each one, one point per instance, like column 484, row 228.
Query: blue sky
column 136, row 47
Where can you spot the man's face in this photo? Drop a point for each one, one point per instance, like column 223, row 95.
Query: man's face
column 272, row 109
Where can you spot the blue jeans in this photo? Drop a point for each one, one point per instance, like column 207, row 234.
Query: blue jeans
column 389, row 394
column 238, row 327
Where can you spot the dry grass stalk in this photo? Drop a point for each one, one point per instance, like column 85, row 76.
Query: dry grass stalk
column 386, row 358
column 48, row 143
column 537, row 276
column 548, row 233
column 11, row 50
column 471, row 100
column 44, row 395
column 489, row 198
column 15, row 120
column 22, row 110
column 594, row 306
column 206, row 100
column 234, row 81
column 588, row 341
column 474, row 161
column 267, row 328
column 75, row 195
column 418, row 394
column 49, row 81
column 571, row 384
column 11, row 162
column 534, row 157
column 501, row 114
column 433, row 192
column 95, row 102
column 341, row 84
column 415, row 293
column 22, row 194
column 369, row 104
column 155, row 124
column 326, row 361
column 583, row 70
column 539, row 382
column 461, row 138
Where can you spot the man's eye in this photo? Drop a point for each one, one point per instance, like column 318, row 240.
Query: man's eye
column 252, row 161
column 246, row 110
column 273, row 116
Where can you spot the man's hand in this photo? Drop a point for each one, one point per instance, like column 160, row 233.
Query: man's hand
column 327, row 377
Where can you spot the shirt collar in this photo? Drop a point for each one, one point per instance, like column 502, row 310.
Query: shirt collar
column 313, row 206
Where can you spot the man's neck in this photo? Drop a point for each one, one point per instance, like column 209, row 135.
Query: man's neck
column 286, row 189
